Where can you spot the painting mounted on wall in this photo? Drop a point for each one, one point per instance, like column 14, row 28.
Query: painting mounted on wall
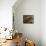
column 28, row 19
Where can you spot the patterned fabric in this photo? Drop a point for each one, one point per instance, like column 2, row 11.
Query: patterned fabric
column 29, row 43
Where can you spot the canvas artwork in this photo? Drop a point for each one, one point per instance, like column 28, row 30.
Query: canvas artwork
column 28, row 19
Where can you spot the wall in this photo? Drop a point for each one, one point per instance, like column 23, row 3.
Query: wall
column 43, row 22
column 30, row 31
column 6, row 13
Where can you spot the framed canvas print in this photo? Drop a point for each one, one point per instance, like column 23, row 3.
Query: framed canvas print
column 28, row 19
